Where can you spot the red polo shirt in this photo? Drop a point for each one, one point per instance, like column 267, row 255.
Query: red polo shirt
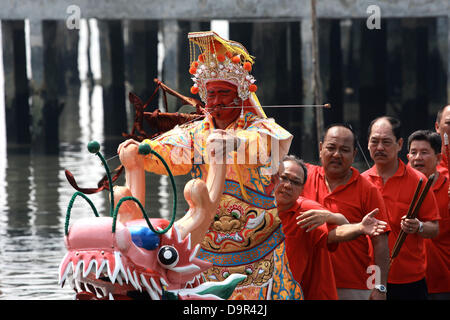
column 398, row 191
column 308, row 253
column 443, row 165
column 438, row 249
column 354, row 200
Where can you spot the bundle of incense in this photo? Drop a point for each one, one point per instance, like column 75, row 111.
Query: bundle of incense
column 413, row 210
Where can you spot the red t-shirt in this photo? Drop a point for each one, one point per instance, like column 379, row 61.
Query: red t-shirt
column 308, row 253
column 438, row 249
column 354, row 200
column 410, row 264
column 443, row 165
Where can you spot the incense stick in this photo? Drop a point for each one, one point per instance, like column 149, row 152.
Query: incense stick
column 326, row 105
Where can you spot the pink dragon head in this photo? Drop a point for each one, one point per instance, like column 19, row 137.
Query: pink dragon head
column 134, row 262
column 144, row 258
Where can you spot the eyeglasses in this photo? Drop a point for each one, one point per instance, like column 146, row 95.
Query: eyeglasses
column 296, row 183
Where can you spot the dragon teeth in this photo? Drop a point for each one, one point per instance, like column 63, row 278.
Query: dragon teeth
column 163, row 282
column 155, row 286
column 136, row 280
column 88, row 269
column 119, row 279
column 100, row 292
column 77, row 285
column 101, row 269
column 77, row 269
column 154, row 295
column 77, row 272
column 132, row 280
column 63, row 277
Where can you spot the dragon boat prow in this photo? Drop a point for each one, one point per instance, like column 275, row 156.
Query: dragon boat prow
column 143, row 258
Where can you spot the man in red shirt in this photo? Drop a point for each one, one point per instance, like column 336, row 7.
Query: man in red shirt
column 397, row 182
column 338, row 187
column 308, row 250
column 424, row 155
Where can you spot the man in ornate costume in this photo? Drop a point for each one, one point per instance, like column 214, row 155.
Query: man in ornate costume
column 246, row 235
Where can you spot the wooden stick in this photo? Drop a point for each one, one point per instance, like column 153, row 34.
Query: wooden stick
column 422, row 197
column 412, row 214
column 410, row 209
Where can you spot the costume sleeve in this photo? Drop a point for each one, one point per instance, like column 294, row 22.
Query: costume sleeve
column 175, row 147
column 264, row 142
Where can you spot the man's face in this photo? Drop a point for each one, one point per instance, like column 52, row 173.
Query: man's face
column 337, row 151
column 222, row 94
column 422, row 157
column 383, row 145
column 290, row 185
column 444, row 124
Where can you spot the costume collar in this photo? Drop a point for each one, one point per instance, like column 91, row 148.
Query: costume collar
column 233, row 124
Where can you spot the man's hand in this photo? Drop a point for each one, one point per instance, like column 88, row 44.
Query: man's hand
column 311, row 219
column 314, row 218
column 409, row 225
column 219, row 143
column 372, row 226
column 129, row 154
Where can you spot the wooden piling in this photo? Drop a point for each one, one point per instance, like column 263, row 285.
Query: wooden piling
column 17, row 108
column 46, row 106
column 414, row 64
column 113, row 78
column 350, row 46
column 372, row 78
column 437, row 71
column 142, row 57
column 331, row 72
column 308, row 137
column 170, row 76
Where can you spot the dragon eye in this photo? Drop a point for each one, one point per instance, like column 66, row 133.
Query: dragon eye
column 168, row 256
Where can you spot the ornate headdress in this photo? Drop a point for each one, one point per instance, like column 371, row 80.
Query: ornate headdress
column 213, row 58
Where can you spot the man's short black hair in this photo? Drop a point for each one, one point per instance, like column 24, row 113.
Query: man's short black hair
column 439, row 114
column 300, row 162
column 433, row 138
column 345, row 125
column 396, row 125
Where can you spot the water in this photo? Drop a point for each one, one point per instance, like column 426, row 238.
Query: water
column 34, row 192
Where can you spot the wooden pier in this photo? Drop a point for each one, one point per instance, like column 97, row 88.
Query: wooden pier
column 400, row 69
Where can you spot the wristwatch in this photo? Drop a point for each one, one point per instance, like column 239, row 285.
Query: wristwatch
column 420, row 227
column 380, row 288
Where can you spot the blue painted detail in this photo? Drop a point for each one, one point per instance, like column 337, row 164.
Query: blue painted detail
column 143, row 237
